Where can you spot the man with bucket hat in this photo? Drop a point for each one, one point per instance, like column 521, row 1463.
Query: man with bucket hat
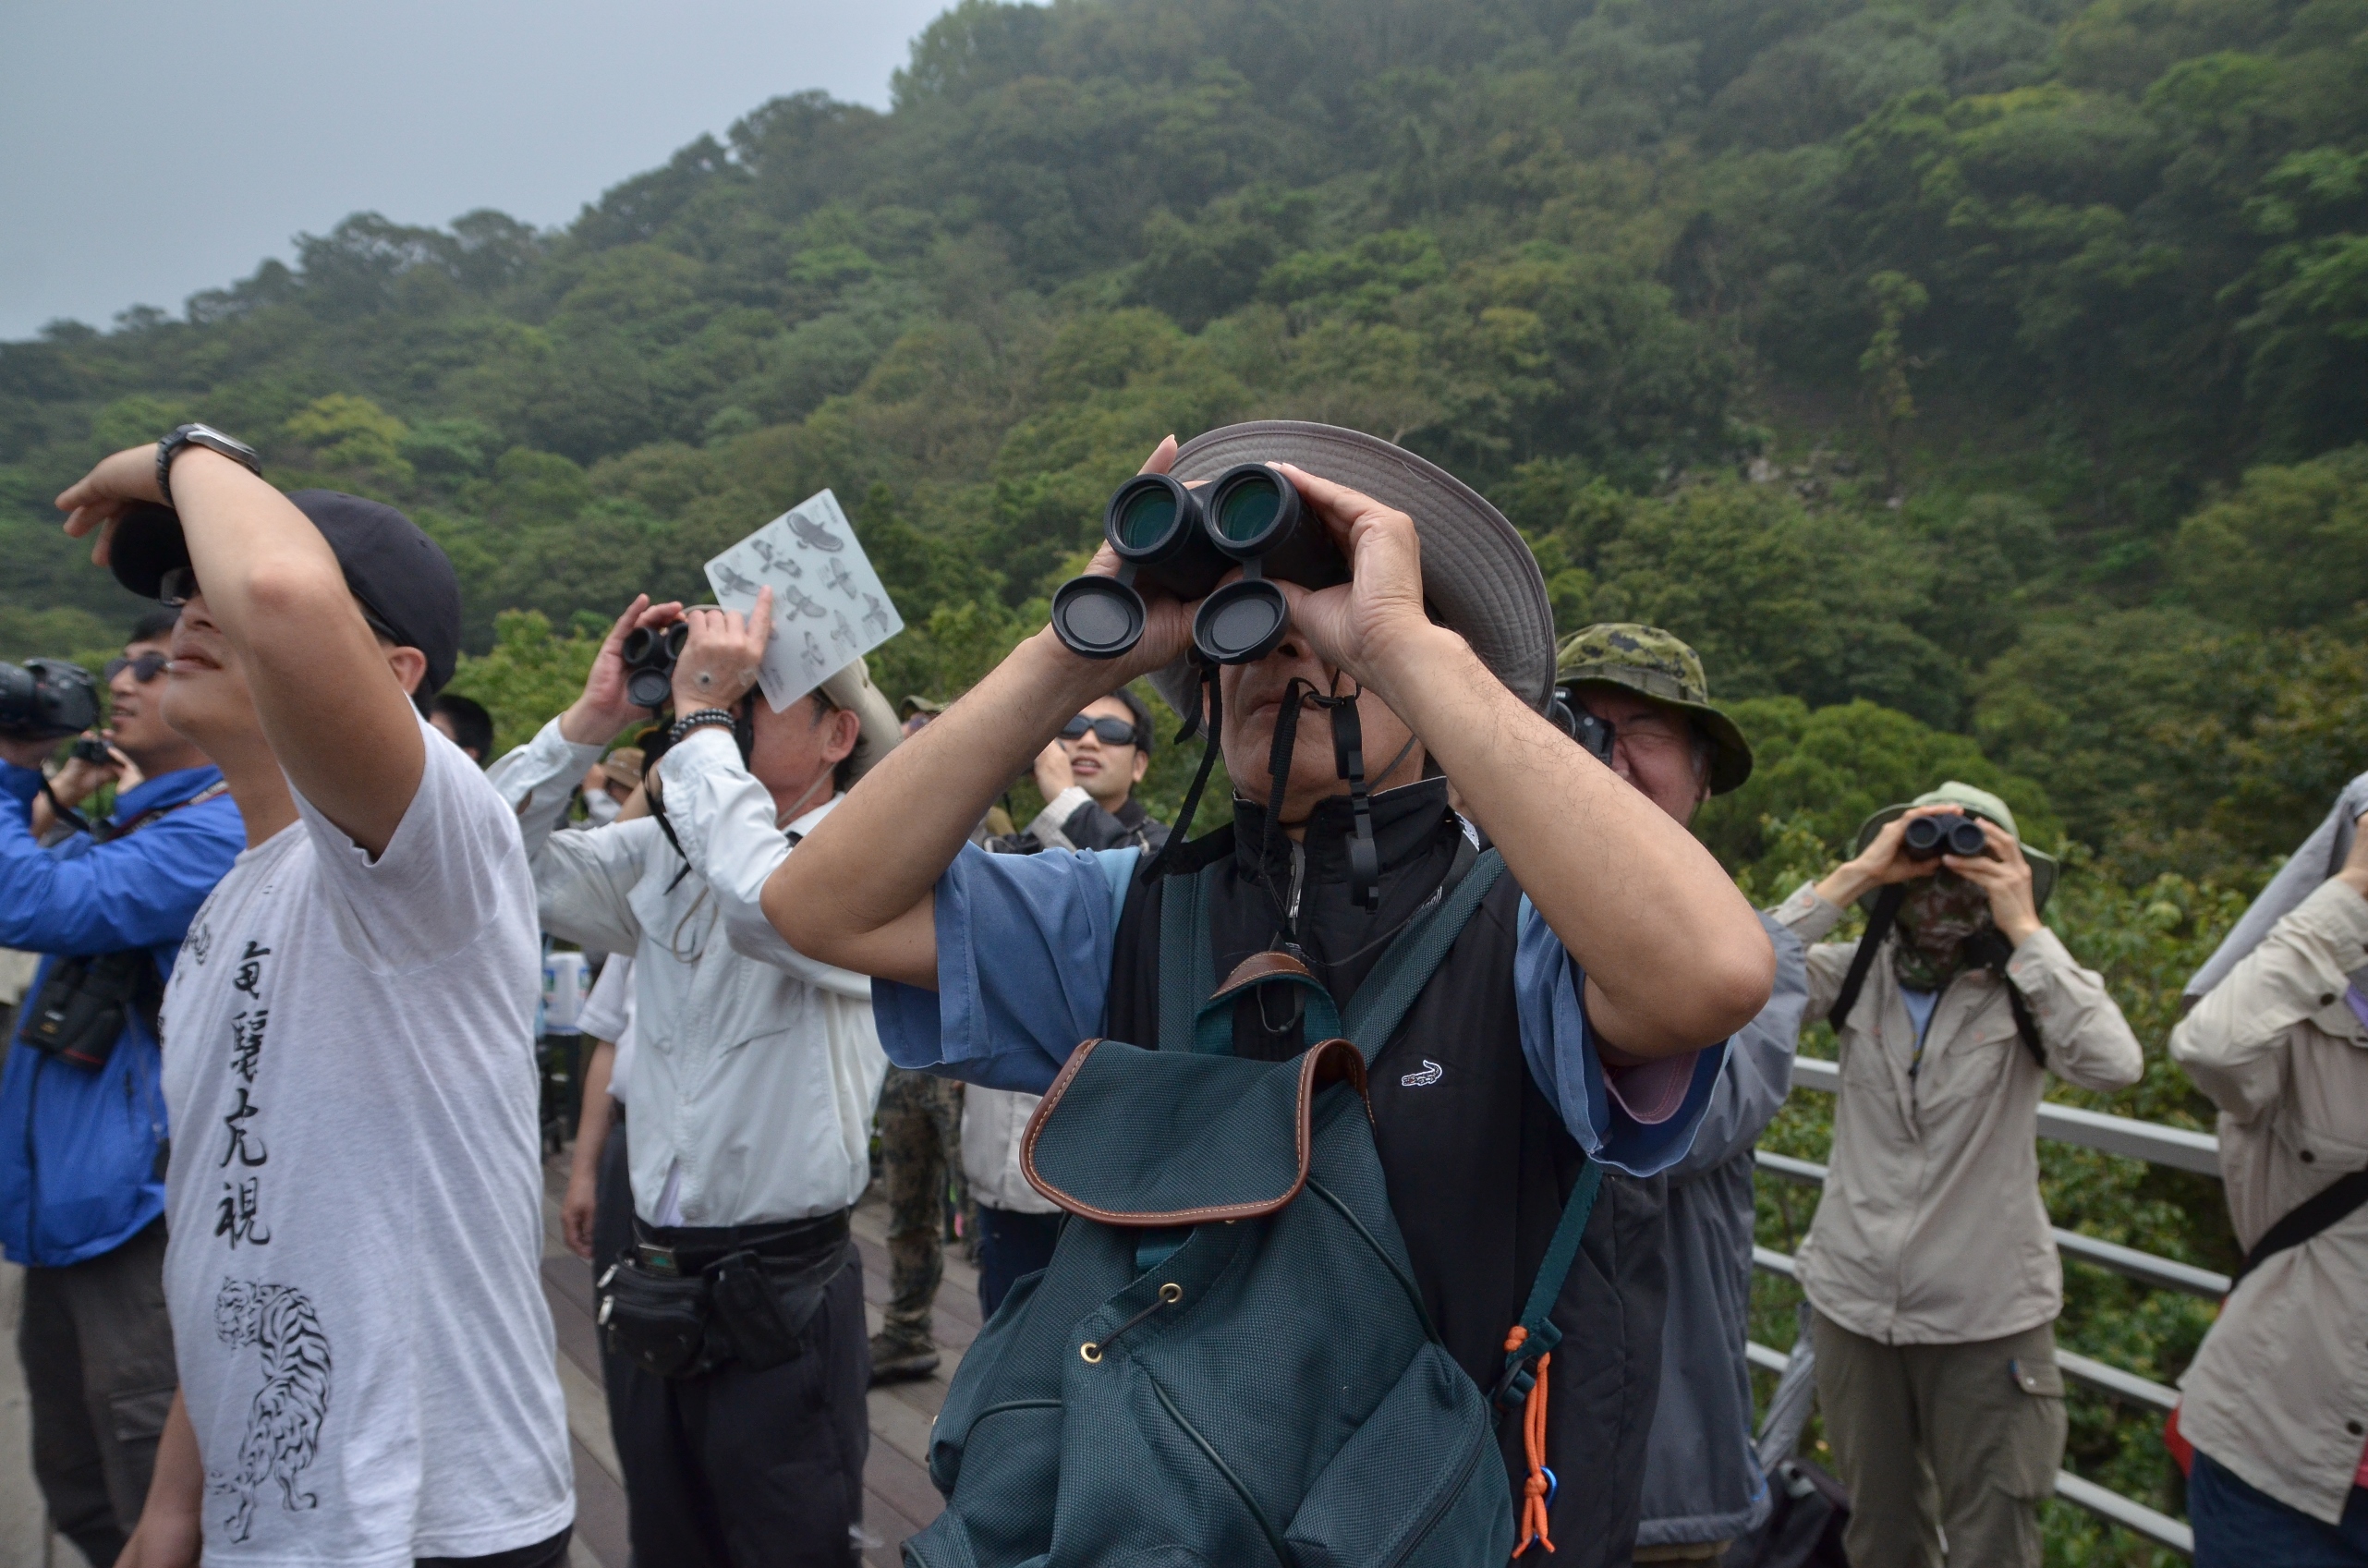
column 353, row 1201
column 1931, row 1264
column 1644, row 690
column 1560, row 1033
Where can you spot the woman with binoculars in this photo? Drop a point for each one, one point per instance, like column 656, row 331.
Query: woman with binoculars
column 1931, row 1264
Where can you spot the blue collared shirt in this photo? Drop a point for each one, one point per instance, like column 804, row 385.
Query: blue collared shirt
column 1025, row 945
column 80, row 1171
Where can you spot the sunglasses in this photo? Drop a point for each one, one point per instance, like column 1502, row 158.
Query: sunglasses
column 145, row 668
column 179, row 584
column 1109, row 732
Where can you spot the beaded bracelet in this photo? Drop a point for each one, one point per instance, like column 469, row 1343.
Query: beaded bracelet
column 699, row 720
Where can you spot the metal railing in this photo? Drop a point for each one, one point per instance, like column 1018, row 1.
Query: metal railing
column 2176, row 1147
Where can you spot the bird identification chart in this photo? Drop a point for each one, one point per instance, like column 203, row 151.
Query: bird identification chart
column 828, row 608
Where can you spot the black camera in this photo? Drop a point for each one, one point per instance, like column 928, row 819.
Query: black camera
column 1181, row 543
column 1596, row 735
column 46, row 699
column 650, row 653
column 1949, row 833
column 90, row 749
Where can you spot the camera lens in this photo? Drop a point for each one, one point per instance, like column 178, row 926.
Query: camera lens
column 1098, row 617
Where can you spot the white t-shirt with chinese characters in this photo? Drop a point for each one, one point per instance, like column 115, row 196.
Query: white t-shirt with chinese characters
column 355, row 1195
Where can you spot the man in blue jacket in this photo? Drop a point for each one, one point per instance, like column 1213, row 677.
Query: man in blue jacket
column 82, row 1142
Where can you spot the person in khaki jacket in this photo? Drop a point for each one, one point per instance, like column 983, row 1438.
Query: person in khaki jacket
column 1931, row 1264
column 2276, row 1401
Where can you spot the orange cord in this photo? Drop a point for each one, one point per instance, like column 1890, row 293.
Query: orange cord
column 1533, row 1523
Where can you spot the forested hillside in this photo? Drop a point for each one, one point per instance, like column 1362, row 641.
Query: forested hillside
column 1981, row 386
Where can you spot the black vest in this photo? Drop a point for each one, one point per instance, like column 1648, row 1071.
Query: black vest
column 1478, row 1162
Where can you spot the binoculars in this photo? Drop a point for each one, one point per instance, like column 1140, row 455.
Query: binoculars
column 650, row 653
column 1596, row 735
column 1950, row 832
column 1181, row 541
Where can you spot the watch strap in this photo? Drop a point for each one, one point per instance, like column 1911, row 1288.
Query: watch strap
column 182, row 437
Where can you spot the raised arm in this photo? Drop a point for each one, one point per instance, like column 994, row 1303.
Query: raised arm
column 334, row 704
column 857, row 891
column 1674, row 955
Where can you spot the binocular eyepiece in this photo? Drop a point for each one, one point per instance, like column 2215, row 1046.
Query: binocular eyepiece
column 1949, row 833
column 650, row 653
column 1181, row 541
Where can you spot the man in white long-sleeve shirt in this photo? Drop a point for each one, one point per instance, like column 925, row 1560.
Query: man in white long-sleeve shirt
column 741, row 1305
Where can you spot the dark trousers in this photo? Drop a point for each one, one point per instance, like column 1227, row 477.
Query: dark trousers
column 2238, row 1525
column 1010, row 1246
column 741, row 1469
column 547, row 1553
column 612, row 1239
column 97, row 1350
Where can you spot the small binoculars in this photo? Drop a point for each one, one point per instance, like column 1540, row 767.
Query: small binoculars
column 1181, row 541
column 1597, row 735
column 1952, row 832
column 650, row 653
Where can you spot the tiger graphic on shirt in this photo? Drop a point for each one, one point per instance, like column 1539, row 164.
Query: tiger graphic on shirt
column 284, row 1424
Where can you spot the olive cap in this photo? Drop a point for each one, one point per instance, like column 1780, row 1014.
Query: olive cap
column 1658, row 664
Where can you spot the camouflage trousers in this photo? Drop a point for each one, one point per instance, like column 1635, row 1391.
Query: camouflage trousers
column 920, row 1144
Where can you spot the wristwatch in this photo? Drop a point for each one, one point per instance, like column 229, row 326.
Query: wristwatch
column 213, row 440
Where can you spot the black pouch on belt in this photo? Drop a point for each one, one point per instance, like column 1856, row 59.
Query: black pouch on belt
column 763, row 1305
column 661, row 1322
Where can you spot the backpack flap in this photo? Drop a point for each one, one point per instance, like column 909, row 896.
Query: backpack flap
column 1160, row 1138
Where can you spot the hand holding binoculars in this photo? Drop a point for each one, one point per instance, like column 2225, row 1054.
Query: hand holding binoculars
column 650, row 654
column 1181, row 541
column 1945, row 832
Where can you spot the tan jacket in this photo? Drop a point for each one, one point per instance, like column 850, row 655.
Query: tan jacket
column 1931, row 1230
column 2279, row 1392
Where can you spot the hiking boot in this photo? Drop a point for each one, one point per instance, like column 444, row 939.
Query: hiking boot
column 900, row 1358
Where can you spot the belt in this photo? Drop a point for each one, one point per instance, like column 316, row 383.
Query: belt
column 695, row 1246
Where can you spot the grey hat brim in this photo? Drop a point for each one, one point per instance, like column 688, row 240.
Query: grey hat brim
column 1478, row 574
column 2045, row 867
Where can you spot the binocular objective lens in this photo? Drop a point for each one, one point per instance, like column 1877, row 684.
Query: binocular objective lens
column 1249, row 507
column 1145, row 519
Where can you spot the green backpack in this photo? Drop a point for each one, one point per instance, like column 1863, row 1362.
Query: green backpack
column 1227, row 1361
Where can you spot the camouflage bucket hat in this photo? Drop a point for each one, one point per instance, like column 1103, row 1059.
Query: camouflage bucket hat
column 1973, row 802
column 1652, row 663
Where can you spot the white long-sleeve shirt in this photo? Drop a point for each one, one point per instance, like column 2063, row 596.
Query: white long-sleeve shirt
column 756, row 1069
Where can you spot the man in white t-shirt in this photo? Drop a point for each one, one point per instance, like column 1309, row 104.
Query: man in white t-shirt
column 354, row 1194
column 741, row 1424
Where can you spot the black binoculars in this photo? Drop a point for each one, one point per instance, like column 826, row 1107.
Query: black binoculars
column 1596, row 735
column 1181, row 541
column 1950, row 832
column 650, row 653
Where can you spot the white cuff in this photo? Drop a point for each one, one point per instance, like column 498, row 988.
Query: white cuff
column 1051, row 822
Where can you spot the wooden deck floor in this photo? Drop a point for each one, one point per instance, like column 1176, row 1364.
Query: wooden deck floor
column 898, row 1498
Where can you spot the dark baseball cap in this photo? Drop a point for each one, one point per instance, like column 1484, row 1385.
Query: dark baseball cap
column 402, row 577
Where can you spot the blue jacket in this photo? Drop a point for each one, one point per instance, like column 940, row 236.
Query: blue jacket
column 81, row 1167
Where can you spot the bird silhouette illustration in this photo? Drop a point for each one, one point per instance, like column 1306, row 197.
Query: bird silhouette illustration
column 840, row 630
column 734, row 583
column 785, row 565
column 839, row 577
column 813, row 533
column 875, row 616
column 795, row 600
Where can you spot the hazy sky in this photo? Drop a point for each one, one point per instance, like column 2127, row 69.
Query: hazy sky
column 147, row 151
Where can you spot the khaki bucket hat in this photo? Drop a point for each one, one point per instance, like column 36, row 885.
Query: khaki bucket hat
column 1974, row 802
column 1478, row 575
column 1658, row 664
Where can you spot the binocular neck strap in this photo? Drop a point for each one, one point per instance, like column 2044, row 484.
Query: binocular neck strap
column 1348, row 759
column 1879, row 922
column 1212, row 704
